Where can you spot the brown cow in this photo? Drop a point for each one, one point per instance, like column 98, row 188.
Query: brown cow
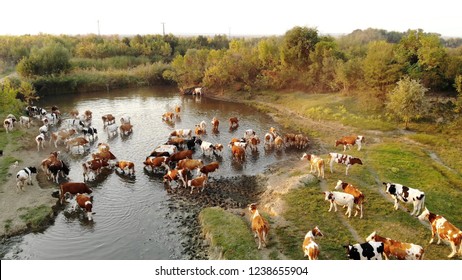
column 175, row 175
column 233, row 123
column 198, row 182
column 108, row 119
column 396, row 249
column 93, row 166
column 315, row 163
column 215, row 124
column 190, row 164
column 126, row 128
column 309, row 247
column 206, row 169
column 86, row 203
column 124, row 164
column 349, row 141
column 238, row 153
column 260, row 225
column 156, row 162
column 72, row 188
column 179, row 156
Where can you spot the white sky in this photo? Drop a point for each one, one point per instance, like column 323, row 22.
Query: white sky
column 235, row 17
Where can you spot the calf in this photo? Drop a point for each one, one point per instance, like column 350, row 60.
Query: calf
column 349, row 141
column 198, row 182
column 253, row 143
column 315, row 163
column 249, row 133
column 85, row 202
column 260, row 225
column 343, row 159
column 444, row 230
column 340, row 198
column 206, row 169
column 25, row 175
column 126, row 128
column 238, row 153
column 366, row 251
column 126, row 165
column 310, row 248
column 268, row 141
column 25, row 121
column 125, row 119
column 206, row 147
column 354, row 191
column 215, row 124
column 218, row 149
column 73, row 188
column 8, row 124
column 406, row 195
column 396, row 249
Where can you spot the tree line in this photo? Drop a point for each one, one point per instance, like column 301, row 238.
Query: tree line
column 367, row 63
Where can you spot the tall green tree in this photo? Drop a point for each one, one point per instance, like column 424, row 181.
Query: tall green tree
column 407, row 101
column 51, row 59
column 298, row 43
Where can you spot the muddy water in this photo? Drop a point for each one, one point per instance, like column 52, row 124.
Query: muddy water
column 137, row 217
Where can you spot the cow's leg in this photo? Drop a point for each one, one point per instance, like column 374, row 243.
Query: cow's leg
column 331, row 205
column 396, row 203
column 454, row 250
column 331, row 165
column 346, row 171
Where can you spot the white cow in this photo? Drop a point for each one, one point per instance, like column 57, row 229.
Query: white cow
column 340, row 198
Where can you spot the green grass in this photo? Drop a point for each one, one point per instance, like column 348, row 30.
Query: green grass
column 7, row 225
column 36, row 218
column 230, row 233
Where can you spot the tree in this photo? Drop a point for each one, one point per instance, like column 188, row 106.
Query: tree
column 458, row 86
column 51, row 59
column 407, row 100
column 297, row 45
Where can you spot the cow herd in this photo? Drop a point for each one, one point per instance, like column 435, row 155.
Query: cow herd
column 174, row 160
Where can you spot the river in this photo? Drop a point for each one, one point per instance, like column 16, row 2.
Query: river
column 135, row 217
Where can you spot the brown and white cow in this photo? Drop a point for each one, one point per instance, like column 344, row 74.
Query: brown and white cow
column 233, row 123
column 406, row 195
column 238, row 153
column 198, row 182
column 126, row 128
column 316, row 163
column 343, row 159
column 396, row 249
column 108, row 119
column 156, row 162
column 62, row 135
column 190, row 164
column 85, row 202
column 126, row 165
column 93, row 166
column 355, row 192
column 73, row 188
column 78, row 142
column 444, row 230
column 260, row 225
column 185, row 133
column 215, row 124
column 340, row 198
column 349, row 141
column 176, row 175
column 310, row 248
column 168, row 117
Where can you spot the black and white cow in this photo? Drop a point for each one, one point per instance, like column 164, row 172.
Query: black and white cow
column 343, row 159
column 365, row 251
column 25, row 175
column 90, row 131
column 406, row 195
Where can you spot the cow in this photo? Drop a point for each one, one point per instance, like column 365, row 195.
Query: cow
column 211, row 167
column 108, row 119
column 126, row 165
column 72, row 188
column 62, row 135
column 396, row 249
column 444, row 230
column 215, row 124
column 206, row 147
column 349, row 141
column 301, row 141
column 51, row 159
column 218, row 149
column 259, row 225
column 191, row 143
column 93, row 166
column 125, row 119
column 249, row 133
column 75, row 124
column 340, row 198
column 40, row 140
column 185, row 133
column 24, row 175
column 354, row 191
column 268, row 141
column 233, row 123
column 176, row 175
column 25, row 121
column 57, row 168
column 197, row 91
column 85, row 202
column 310, row 248
column 90, row 131
column 168, row 117
column 238, row 153
column 177, row 141
column 111, row 129
column 164, row 150
column 199, row 131
column 198, row 182
column 179, row 156
column 253, row 143
column 278, row 143
column 365, row 251
column 343, row 159
column 74, row 113
column 77, row 141
column 190, row 164
column 316, row 163
column 407, row 195
column 8, row 124
column 156, row 162
column 126, row 128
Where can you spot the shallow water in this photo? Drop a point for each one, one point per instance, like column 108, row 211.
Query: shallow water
column 135, row 216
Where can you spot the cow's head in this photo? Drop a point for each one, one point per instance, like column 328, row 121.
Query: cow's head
column 305, row 156
column 317, row 232
column 356, row 161
column 339, row 185
column 371, row 237
column 389, row 188
column 424, row 215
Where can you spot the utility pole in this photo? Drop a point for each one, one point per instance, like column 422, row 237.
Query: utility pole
column 98, row 29
column 163, row 28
